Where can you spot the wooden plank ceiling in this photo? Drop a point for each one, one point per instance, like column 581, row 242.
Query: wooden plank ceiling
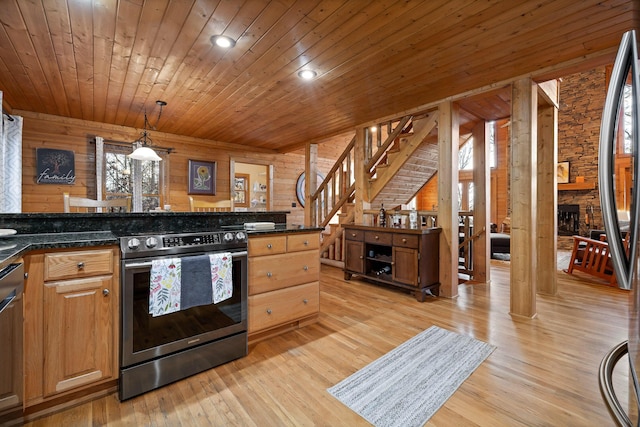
column 109, row 60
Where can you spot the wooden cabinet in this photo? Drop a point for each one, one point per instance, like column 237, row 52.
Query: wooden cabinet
column 71, row 322
column 284, row 274
column 400, row 257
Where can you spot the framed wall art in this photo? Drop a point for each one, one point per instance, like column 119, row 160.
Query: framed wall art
column 202, row 177
column 241, row 186
column 55, row 166
column 562, row 170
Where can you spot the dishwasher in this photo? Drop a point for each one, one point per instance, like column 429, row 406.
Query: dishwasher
column 11, row 381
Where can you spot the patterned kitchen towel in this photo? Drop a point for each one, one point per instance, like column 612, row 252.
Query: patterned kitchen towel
column 221, row 276
column 164, row 286
column 196, row 282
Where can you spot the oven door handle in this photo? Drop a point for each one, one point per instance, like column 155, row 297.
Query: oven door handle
column 148, row 263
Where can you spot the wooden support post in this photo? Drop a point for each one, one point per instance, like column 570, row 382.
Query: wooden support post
column 311, row 183
column 481, row 204
column 523, row 197
column 361, row 177
column 448, row 143
column 547, row 245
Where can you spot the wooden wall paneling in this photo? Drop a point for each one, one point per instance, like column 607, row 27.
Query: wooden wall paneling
column 523, row 198
column 547, row 197
column 481, row 204
column 76, row 135
column 448, row 147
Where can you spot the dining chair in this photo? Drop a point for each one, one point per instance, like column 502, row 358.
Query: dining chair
column 204, row 206
column 83, row 204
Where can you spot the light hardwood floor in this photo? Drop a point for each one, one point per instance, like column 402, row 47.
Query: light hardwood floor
column 543, row 372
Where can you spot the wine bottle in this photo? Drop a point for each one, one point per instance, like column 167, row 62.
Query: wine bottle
column 382, row 219
column 384, row 270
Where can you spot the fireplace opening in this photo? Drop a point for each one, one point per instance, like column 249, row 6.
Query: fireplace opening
column 568, row 220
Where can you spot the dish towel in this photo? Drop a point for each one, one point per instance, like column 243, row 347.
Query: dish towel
column 165, row 286
column 221, row 276
column 196, row 283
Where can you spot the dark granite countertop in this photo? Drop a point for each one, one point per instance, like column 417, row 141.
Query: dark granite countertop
column 15, row 246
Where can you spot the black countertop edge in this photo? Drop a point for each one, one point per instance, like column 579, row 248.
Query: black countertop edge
column 14, row 247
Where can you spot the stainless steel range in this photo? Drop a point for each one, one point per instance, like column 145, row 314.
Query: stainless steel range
column 156, row 350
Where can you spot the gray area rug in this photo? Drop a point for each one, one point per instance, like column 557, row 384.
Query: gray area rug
column 406, row 386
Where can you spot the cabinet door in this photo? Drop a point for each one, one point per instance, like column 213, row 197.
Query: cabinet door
column 405, row 266
column 78, row 333
column 354, row 256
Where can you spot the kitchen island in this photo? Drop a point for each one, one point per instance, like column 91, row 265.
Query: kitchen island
column 72, row 263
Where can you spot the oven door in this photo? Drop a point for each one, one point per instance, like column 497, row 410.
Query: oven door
column 145, row 337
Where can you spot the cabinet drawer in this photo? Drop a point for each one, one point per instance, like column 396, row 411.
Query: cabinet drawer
column 280, row 271
column 267, row 245
column 77, row 264
column 303, row 242
column 284, row 305
column 405, row 240
column 378, row 238
column 354, row 234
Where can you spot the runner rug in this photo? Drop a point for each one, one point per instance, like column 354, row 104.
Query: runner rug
column 406, row 386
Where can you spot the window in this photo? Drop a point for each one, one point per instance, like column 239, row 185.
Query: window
column 121, row 172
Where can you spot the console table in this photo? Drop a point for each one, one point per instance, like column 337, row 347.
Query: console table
column 400, row 257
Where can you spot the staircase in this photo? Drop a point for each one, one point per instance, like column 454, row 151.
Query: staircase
column 398, row 166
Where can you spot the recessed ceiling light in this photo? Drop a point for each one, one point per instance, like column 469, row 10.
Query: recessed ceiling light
column 307, row 74
column 223, row 41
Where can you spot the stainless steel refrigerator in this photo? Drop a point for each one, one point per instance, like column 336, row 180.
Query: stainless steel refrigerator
column 620, row 203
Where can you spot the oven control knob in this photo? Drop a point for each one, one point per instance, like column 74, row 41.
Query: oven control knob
column 133, row 244
column 151, row 242
column 240, row 236
column 228, row 237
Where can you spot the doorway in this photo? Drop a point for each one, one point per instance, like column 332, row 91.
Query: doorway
column 251, row 186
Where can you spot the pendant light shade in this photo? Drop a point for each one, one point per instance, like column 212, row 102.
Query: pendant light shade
column 144, row 153
column 143, row 150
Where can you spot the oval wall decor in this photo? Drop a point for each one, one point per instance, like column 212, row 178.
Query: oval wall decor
column 300, row 184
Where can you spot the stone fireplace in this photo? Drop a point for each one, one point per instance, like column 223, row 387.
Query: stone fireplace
column 568, row 220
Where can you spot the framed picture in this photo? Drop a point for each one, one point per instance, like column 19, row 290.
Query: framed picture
column 55, row 166
column 562, row 170
column 241, row 186
column 202, row 177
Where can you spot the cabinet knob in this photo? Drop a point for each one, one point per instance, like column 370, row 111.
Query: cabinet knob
column 105, row 292
column 269, row 274
column 269, row 246
column 353, row 234
column 361, row 257
column 306, row 301
column 268, row 311
column 306, row 242
column 377, row 237
column 404, row 240
column 305, row 268
column 80, row 265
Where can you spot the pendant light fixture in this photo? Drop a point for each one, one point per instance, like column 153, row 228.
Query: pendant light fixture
column 143, row 150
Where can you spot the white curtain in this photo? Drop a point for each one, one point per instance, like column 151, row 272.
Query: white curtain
column 10, row 163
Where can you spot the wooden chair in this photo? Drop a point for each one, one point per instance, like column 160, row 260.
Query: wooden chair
column 83, row 204
column 592, row 256
column 202, row 206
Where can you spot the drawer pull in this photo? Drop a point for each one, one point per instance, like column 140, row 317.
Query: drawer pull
column 377, row 237
column 268, row 311
column 80, row 265
column 269, row 274
column 269, row 246
column 306, row 242
column 353, row 234
column 305, row 268
column 105, row 292
column 404, row 240
column 306, row 301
